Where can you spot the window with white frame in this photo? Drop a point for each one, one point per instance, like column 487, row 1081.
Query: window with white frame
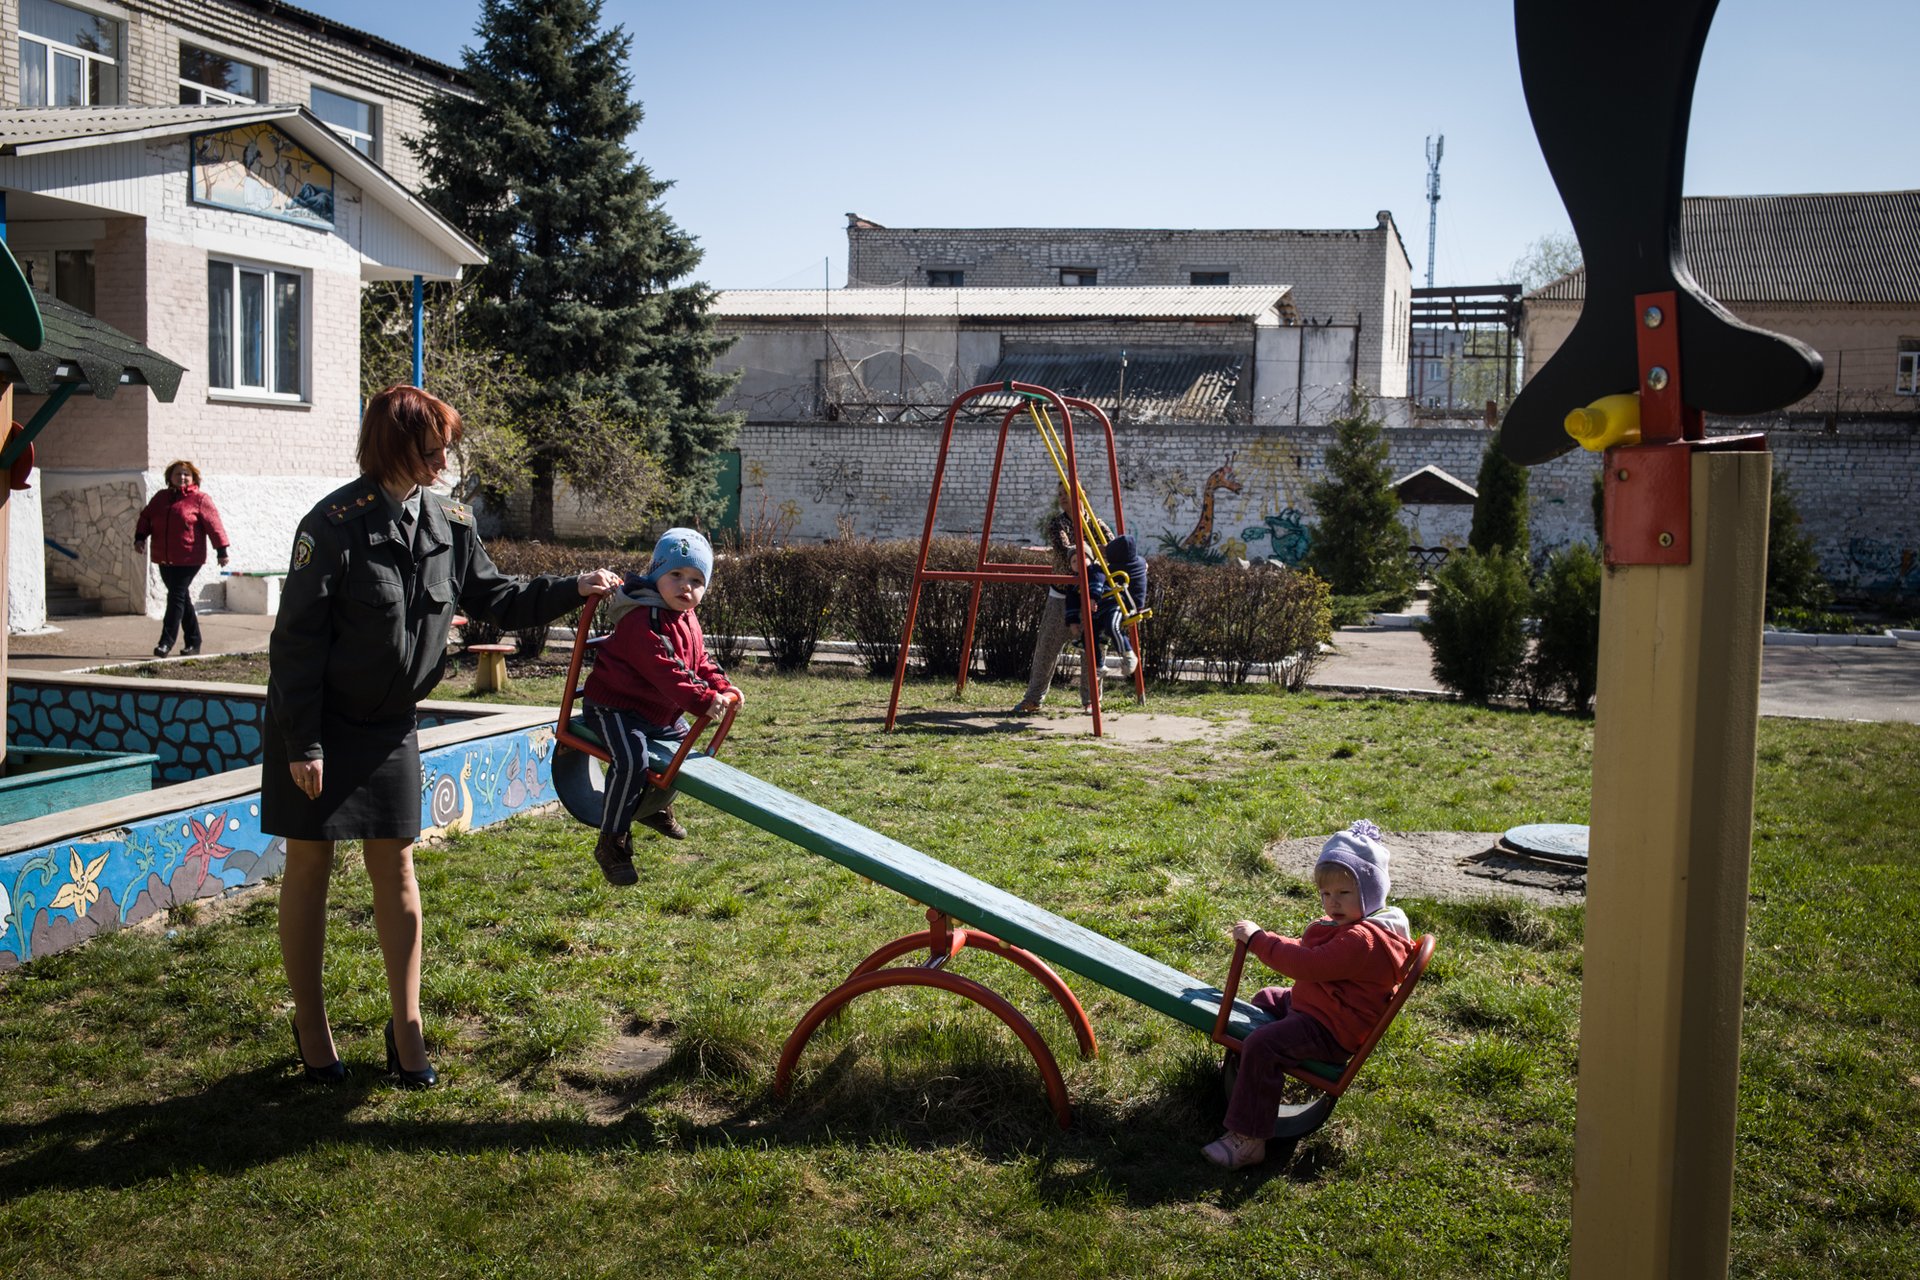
column 214, row 80
column 256, row 329
column 1907, row 379
column 351, row 118
column 68, row 57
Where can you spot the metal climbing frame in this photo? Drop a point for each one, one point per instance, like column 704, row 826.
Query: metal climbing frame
column 1034, row 400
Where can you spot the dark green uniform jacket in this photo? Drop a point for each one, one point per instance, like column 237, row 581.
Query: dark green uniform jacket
column 362, row 630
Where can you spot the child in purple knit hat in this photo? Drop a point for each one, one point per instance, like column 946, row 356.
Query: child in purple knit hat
column 1344, row 969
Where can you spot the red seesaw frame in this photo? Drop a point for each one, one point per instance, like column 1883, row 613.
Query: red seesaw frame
column 584, row 639
column 943, row 942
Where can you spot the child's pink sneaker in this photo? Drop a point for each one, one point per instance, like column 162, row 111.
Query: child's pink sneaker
column 1235, row 1151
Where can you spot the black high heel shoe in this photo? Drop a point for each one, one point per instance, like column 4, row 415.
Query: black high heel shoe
column 425, row 1078
column 334, row 1072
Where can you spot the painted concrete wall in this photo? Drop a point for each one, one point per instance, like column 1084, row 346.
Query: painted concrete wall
column 67, row 877
column 1233, row 491
column 1858, row 490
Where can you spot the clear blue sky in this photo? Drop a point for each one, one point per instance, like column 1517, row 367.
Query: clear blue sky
column 773, row 118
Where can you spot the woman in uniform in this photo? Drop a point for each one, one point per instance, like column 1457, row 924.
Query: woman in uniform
column 379, row 566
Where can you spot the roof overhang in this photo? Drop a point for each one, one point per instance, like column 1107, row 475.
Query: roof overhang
column 58, row 129
column 1430, row 486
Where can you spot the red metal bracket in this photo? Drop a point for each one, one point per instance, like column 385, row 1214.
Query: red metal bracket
column 943, row 943
column 1648, row 487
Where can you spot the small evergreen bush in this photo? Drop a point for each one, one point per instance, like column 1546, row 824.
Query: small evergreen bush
column 1476, row 623
column 1360, row 546
column 1566, row 656
column 1793, row 570
column 1500, row 512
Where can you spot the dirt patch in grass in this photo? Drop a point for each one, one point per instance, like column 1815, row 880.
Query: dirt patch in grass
column 610, row 1082
column 1130, row 728
column 1452, row 866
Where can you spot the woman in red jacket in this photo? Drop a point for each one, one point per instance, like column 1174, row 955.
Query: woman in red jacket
column 181, row 520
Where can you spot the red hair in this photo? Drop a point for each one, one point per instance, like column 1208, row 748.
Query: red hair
column 401, row 427
column 181, row 464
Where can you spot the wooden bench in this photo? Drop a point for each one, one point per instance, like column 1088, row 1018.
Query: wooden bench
column 490, row 667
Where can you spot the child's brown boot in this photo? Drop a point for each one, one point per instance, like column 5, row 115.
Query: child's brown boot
column 664, row 822
column 614, row 853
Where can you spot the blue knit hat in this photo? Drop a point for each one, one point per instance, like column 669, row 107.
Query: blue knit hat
column 1359, row 850
column 681, row 549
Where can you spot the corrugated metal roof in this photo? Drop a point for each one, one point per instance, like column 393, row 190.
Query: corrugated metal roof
column 1169, row 388
column 1211, row 302
column 1856, row 246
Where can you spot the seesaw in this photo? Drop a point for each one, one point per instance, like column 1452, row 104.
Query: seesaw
column 996, row 921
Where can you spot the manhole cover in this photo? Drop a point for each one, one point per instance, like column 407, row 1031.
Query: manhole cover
column 1554, row 841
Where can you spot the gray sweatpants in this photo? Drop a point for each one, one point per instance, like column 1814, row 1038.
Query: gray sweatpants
column 1046, row 653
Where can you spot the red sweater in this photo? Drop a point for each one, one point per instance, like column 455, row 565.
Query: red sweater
column 655, row 664
column 181, row 524
column 1342, row 974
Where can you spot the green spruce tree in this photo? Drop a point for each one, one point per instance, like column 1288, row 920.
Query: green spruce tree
column 1793, row 569
column 588, row 280
column 1500, row 512
column 1360, row 546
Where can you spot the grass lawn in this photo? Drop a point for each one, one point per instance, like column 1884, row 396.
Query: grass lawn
column 607, row 1054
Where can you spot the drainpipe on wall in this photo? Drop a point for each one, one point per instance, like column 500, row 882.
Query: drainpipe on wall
column 419, row 332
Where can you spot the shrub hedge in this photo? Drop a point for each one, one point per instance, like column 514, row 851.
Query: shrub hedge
column 1234, row 622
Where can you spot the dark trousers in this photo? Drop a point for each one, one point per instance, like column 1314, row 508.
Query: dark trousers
column 628, row 735
column 1287, row 1042
column 180, row 615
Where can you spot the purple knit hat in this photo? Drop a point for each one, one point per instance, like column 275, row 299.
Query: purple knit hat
column 1359, row 850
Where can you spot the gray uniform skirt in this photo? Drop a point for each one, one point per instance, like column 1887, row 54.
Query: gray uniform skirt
column 369, row 784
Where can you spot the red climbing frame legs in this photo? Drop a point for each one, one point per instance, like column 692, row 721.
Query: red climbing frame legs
column 942, row 942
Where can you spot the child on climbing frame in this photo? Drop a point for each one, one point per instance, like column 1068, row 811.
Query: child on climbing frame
column 1344, row 969
column 648, row 676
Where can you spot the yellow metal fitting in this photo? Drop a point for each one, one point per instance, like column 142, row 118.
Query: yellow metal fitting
column 1608, row 421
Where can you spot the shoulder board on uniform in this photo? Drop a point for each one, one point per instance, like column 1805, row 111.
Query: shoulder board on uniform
column 458, row 512
column 353, row 507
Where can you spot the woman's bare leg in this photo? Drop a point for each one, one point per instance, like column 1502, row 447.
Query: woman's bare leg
column 396, row 918
column 303, row 943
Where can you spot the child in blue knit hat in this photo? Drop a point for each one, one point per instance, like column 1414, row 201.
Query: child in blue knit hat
column 648, row 676
column 1345, row 967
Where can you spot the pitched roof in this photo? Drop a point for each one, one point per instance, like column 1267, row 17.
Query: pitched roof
column 1844, row 247
column 27, row 131
column 82, row 349
column 1209, row 302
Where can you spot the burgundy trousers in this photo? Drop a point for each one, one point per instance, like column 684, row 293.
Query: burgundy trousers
column 1285, row 1042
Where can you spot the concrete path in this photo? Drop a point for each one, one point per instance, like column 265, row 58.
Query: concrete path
column 1828, row 683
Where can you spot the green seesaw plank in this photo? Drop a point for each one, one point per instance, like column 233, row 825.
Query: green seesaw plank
column 972, row 901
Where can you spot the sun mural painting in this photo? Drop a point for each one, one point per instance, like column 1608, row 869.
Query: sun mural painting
column 259, row 170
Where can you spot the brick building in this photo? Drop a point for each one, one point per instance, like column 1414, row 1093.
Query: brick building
column 1360, row 278
column 218, row 179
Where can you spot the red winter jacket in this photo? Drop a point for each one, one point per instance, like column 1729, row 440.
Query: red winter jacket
column 1343, row 974
column 655, row 663
column 180, row 525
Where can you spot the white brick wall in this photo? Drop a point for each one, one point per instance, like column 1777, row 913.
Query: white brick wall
column 1858, row 491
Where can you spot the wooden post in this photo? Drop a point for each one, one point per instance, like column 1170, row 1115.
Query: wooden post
column 490, row 667
column 1673, row 765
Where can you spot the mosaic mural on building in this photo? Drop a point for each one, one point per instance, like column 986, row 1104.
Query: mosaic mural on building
column 257, row 169
column 59, row 894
